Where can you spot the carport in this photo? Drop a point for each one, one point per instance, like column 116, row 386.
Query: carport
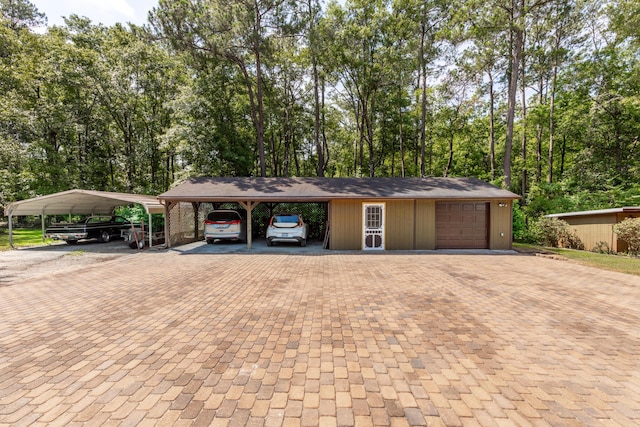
column 86, row 202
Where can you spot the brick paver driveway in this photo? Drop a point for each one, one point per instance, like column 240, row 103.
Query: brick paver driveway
column 337, row 339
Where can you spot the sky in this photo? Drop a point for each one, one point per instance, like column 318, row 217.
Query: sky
column 106, row 12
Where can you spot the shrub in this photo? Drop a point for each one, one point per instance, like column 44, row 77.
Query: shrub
column 602, row 248
column 555, row 232
column 629, row 231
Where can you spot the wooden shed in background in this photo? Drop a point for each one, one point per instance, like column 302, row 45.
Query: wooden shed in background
column 361, row 213
column 595, row 228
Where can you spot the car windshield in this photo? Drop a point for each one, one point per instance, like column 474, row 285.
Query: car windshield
column 289, row 219
column 220, row 216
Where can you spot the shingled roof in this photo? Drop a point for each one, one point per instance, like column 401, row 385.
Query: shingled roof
column 311, row 189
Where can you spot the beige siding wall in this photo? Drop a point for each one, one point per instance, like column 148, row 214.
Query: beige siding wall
column 399, row 230
column 500, row 224
column 425, row 224
column 593, row 229
column 401, row 215
column 346, row 225
column 347, row 229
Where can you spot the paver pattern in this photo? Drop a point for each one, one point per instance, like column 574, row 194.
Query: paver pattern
column 327, row 340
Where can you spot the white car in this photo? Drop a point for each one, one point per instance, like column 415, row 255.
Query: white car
column 287, row 228
column 224, row 224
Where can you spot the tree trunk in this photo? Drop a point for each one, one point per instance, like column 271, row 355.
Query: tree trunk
column 402, row 170
column 552, row 100
column 254, row 110
column 260, row 127
column 539, row 132
column 523, row 97
column 325, row 146
column 492, row 131
column 562, row 155
column 511, row 108
column 517, row 40
column 450, row 160
column 423, row 103
column 372, row 155
column 316, row 124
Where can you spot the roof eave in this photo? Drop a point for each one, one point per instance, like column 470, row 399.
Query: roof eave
column 626, row 209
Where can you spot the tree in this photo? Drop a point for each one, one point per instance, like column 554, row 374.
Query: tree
column 21, row 14
column 237, row 32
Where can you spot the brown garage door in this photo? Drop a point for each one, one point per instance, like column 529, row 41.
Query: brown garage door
column 462, row 225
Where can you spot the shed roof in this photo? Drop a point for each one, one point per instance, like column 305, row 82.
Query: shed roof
column 208, row 189
column 81, row 202
column 626, row 209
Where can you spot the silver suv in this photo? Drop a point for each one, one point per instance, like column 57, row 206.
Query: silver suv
column 224, row 224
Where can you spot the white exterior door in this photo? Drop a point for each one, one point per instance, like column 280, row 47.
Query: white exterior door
column 373, row 222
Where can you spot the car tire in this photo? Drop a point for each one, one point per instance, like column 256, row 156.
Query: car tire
column 269, row 243
column 104, row 237
column 72, row 242
column 210, row 241
column 303, row 243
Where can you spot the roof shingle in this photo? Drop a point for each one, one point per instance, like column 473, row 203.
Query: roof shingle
column 324, row 189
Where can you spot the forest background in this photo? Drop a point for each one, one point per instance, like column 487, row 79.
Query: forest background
column 541, row 97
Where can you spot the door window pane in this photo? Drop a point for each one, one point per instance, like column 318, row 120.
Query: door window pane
column 373, row 217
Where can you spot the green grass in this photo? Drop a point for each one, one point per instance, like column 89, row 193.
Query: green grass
column 619, row 263
column 22, row 237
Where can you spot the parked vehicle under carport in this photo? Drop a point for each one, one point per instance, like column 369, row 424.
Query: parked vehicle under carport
column 224, row 224
column 287, row 228
column 102, row 228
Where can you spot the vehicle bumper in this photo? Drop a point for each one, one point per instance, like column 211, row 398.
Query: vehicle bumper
column 66, row 236
column 222, row 236
column 292, row 239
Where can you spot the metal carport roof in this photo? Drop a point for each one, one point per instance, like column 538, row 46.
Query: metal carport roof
column 81, row 202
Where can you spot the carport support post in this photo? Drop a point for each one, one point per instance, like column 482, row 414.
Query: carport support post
column 167, row 222
column 11, row 230
column 249, row 206
column 42, row 217
column 150, row 230
column 196, row 225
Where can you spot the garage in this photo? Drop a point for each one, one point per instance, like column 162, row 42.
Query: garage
column 462, row 225
column 369, row 214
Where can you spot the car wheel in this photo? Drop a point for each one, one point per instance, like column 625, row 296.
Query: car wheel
column 210, row 241
column 303, row 243
column 104, row 237
column 72, row 242
column 269, row 243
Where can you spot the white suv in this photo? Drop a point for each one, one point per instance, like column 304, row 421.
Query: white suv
column 287, row 228
column 224, row 224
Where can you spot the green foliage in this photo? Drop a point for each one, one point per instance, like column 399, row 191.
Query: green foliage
column 556, row 233
column 522, row 233
column 137, row 214
column 629, row 231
